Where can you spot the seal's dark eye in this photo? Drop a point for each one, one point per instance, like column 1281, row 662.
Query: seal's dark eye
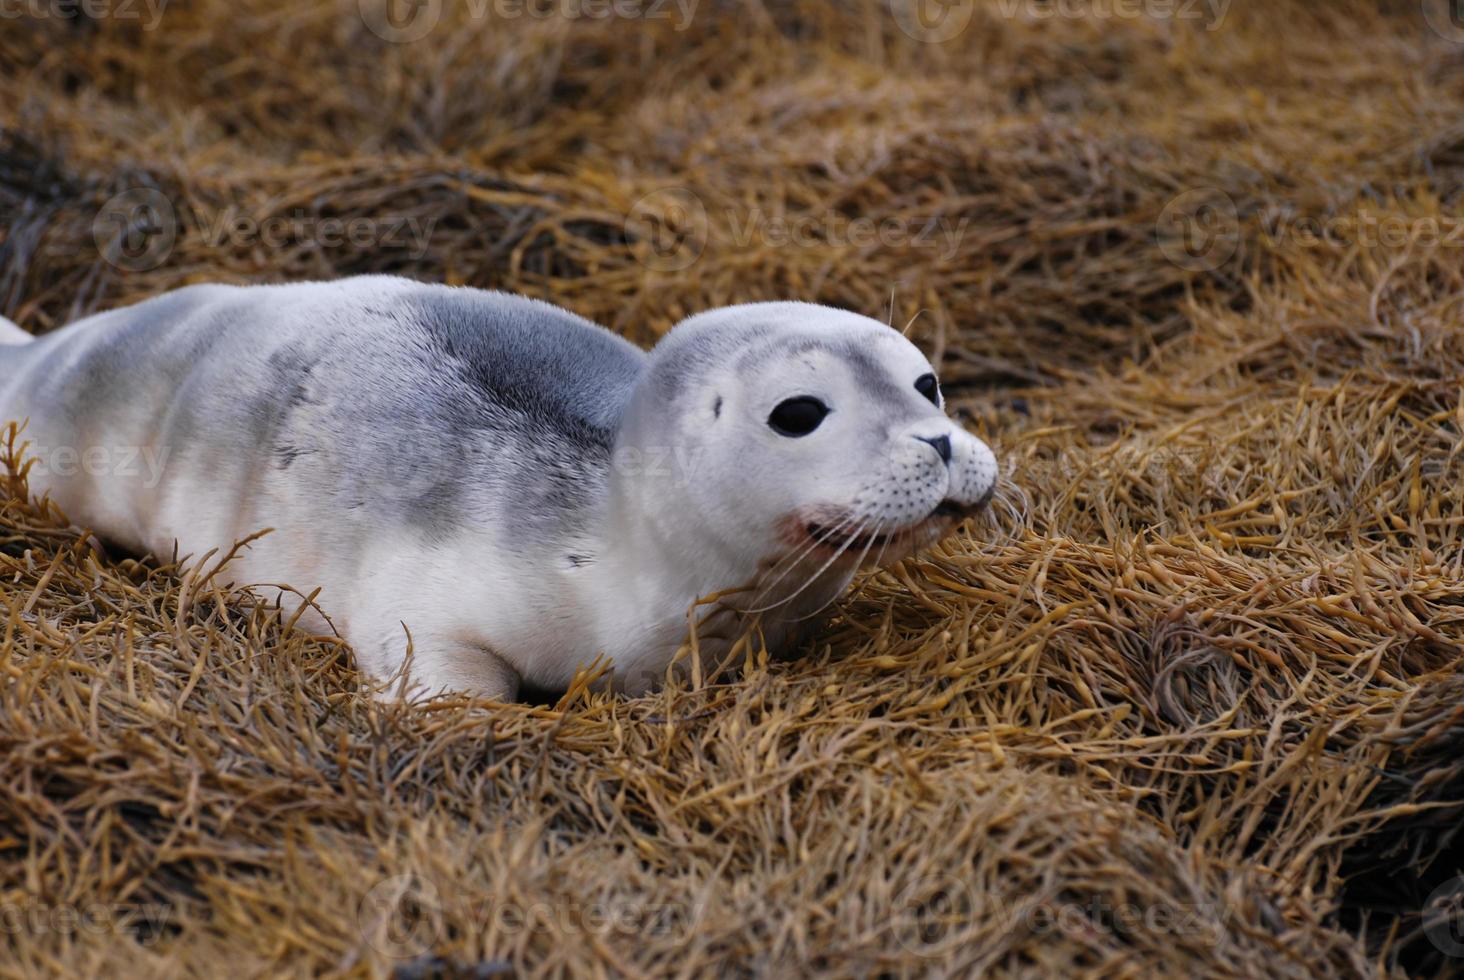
column 927, row 386
column 797, row 416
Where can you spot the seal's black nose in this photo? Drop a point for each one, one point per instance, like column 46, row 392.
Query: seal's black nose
column 942, row 445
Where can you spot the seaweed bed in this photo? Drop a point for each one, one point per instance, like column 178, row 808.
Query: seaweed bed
column 1198, row 709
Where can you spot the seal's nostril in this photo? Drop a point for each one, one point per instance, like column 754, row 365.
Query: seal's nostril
column 942, row 445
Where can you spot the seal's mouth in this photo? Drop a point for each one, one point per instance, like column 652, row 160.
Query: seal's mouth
column 947, row 510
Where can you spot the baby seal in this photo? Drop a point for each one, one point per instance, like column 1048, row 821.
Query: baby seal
column 509, row 488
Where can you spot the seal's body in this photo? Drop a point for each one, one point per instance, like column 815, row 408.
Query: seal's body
column 513, row 487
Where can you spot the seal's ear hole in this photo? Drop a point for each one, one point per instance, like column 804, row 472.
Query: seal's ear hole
column 717, row 408
column 797, row 416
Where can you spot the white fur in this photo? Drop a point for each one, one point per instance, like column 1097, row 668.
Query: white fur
column 507, row 546
column 11, row 334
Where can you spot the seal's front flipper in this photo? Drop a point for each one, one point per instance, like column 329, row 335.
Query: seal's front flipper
column 470, row 668
column 484, row 674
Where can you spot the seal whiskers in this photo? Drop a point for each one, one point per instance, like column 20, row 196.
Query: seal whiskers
column 519, row 490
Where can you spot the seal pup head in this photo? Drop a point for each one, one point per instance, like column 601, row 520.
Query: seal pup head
column 798, row 436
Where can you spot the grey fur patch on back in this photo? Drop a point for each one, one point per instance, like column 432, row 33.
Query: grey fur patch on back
column 532, row 359
column 528, row 398
column 444, row 406
column 481, row 408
